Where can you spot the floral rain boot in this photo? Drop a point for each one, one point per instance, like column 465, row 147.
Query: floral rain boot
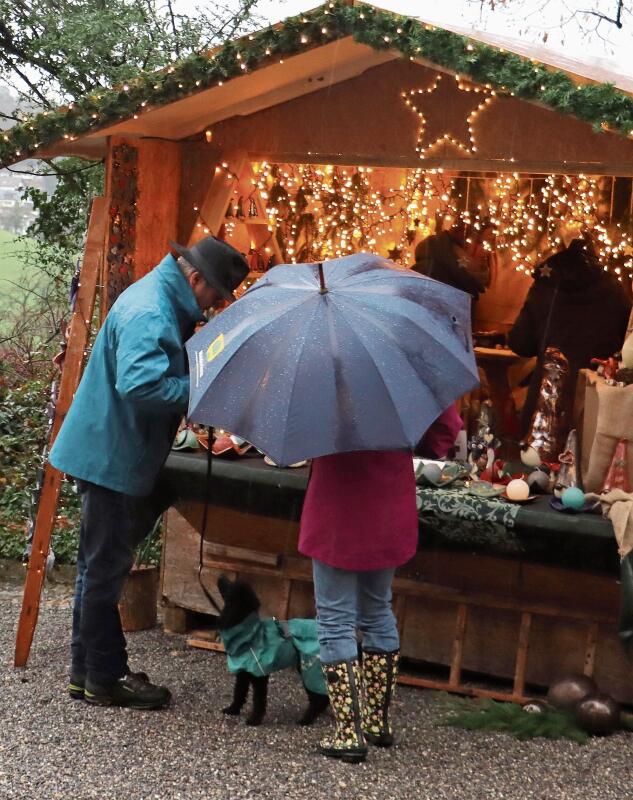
column 343, row 688
column 380, row 670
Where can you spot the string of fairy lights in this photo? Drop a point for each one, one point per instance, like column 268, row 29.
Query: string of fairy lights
column 326, row 211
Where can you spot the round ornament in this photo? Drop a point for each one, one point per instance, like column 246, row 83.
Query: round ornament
column 538, row 481
column 535, row 707
column 573, row 497
column 517, row 490
column 530, row 457
column 598, row 714
column 566, row 693
column 432, row 473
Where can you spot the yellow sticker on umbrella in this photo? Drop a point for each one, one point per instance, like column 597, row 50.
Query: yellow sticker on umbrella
column 215, row 348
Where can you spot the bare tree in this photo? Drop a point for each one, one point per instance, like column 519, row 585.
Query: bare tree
column 591, row 19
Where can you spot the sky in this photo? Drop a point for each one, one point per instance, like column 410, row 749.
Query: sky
column 525, row 19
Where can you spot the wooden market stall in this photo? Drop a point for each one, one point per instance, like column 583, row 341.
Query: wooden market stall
column 345, row 129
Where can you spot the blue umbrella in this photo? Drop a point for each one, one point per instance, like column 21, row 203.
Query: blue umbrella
column 353, row 354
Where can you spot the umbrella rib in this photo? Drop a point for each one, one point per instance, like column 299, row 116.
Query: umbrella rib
column 385, row 330
column 298, row 363
column 378, row 372
column 425, row 333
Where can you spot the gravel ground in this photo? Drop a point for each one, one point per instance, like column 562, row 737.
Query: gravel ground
column 52, row 747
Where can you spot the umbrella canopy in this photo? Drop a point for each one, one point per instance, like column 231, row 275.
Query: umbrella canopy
column 354, row 354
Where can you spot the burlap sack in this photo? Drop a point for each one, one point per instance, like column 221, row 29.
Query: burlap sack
column 612, row 409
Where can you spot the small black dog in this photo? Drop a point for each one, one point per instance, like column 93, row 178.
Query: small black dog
column 255, row 648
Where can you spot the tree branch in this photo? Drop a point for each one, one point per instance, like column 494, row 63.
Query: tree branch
column 55, row 170
column 618, row 17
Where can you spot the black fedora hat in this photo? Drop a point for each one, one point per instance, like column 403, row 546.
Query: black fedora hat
column 222, row 266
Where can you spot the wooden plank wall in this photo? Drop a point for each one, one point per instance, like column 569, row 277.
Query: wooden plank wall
column 509, row 133
column 572, row 615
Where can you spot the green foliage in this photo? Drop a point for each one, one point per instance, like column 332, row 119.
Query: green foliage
column 70, row 48
column 12, row 255
column 149, row 550
column 489, row 715
column 600, row 104
column 62, row 217
column 23, row 435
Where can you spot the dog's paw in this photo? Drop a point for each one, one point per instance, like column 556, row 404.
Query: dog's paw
column 231, row 711
column 254, row 721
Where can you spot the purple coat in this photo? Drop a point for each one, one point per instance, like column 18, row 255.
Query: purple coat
column 359, row 511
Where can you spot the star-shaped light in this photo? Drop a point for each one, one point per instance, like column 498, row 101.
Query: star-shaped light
column 395, row 254
column 465, row 97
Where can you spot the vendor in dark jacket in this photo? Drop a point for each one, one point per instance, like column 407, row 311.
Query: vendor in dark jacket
column 444, row 256
column 575, row 306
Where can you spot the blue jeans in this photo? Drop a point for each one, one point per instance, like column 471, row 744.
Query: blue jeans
column 112, row 526
column 350, row 601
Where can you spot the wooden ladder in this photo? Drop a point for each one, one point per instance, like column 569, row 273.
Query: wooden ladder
column 71, row 373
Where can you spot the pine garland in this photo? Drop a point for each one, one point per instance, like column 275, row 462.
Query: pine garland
column 600, row 104
column 489, row 715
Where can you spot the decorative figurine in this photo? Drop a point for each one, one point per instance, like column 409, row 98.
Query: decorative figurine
column 618, row 473
column 483, row 442
column 548, row 420
column 568, row 459
column 607, row 368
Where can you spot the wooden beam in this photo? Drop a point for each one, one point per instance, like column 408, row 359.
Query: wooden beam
column 468, row 691
column 622, row 169
column 413, row 588
column 71, row 373
column 212, row 211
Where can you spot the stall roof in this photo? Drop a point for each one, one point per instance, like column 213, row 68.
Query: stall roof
column 303, row 54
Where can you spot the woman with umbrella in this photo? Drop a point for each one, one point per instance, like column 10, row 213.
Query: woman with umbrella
column 359, row 523
column 348, row 363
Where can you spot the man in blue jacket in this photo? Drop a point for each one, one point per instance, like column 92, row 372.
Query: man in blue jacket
column 114, row 441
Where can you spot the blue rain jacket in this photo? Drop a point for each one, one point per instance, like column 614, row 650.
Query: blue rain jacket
column 263, row 646
column 135, row 387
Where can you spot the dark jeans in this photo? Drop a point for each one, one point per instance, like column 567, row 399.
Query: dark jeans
column 112, row 526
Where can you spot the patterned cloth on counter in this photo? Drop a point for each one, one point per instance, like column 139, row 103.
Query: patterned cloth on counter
column 456, row 503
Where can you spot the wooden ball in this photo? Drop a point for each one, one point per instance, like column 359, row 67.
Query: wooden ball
column 566, row 693
column 598, row 714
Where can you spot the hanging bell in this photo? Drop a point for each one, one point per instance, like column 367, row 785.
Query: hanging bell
column 229, row 210
column 252, row 208
column 239, row 210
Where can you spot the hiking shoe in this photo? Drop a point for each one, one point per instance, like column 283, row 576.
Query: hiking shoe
column 77, row 684
column 129, row 691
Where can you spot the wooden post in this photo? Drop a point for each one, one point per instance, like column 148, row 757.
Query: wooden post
column 590, row 649
column 157, row 206
column 522, row 653
column 71, row 373
column 458, row 646
column 213, row 209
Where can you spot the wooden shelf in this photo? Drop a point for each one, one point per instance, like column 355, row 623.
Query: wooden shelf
column 248, row 221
